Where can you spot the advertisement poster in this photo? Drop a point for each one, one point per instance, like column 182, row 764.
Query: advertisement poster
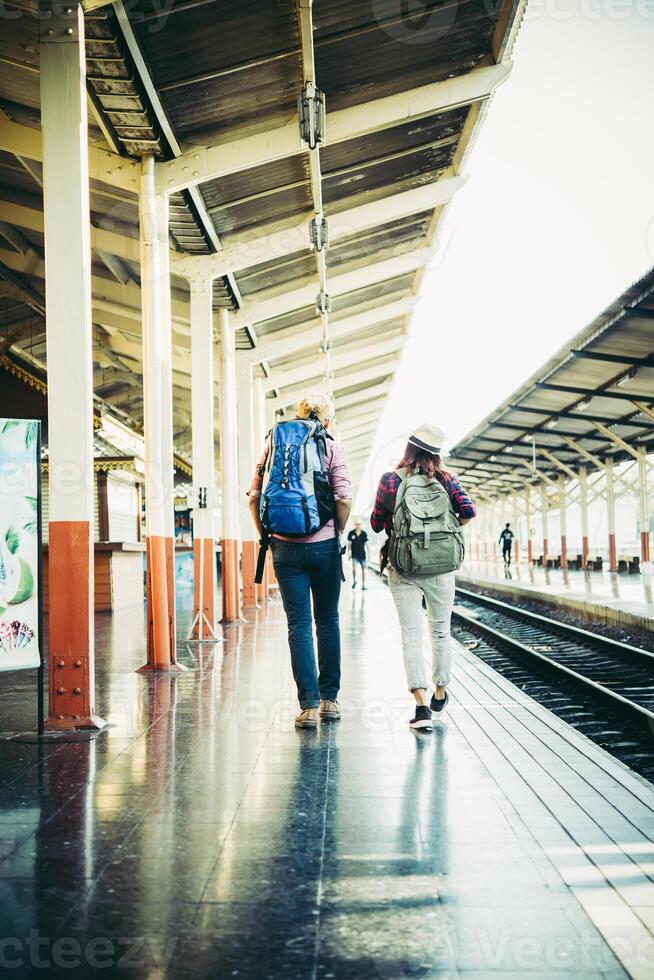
column 19, row 544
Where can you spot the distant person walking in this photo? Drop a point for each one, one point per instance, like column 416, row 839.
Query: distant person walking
column 422, row 508
column 506, row 540
column 358, row 540
column 300, row 498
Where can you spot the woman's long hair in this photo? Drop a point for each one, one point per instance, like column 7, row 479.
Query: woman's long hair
column 417, row 460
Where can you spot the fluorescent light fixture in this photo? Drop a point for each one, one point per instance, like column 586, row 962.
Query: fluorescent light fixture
column 627, row 376
column 552, row 424
column 582, row 405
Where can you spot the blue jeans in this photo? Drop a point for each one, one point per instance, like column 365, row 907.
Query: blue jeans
column 304, row 571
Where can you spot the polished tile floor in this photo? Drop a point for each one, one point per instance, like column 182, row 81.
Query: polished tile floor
column 202, row 837
column 632, row 593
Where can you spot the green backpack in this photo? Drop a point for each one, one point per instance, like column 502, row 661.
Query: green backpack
column 426, row 538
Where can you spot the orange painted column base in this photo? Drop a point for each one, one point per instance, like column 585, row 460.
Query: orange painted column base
column 545, row 552
column 270, row 572
column 564, row 551
column 530, row 551
column 206, row 547
column 248, row 571
column 613, row 554
column 644, row 546
column 160, row 619
column 170, row 587
column 229, row 581
column 585, row 551
column 70, row 576
column 516, row 551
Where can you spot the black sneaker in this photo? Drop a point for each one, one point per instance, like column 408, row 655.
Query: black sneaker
column 422, row 719
column 438, row 705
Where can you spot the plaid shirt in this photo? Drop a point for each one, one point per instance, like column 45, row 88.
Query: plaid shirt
column 381, row 518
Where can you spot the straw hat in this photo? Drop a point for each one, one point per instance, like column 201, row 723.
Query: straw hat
column 428, row 438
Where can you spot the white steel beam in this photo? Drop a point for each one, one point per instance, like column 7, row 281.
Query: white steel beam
column 290, row 340
column 342, row 358
column 105, row 166
column 125, row 298
column 272, row 303
column 291, row 396
column 373, row 393
column 202, row 163
column 247, row 250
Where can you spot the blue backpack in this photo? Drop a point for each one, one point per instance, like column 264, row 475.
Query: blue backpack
column 296, row 499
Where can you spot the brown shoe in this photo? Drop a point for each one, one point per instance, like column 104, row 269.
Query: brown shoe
column 329, row 710
column 307, row 718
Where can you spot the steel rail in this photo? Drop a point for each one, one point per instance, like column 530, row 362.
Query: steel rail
column 550, row 663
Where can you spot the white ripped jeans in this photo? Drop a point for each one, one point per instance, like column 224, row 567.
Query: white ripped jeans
column 407, row 593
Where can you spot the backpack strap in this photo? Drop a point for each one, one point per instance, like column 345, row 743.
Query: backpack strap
column 399, row 496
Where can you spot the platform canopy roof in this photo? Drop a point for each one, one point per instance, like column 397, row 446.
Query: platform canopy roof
column 592, row 400
column 210, row 88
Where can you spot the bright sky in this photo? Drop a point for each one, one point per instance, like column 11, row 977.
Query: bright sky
column 556, row 218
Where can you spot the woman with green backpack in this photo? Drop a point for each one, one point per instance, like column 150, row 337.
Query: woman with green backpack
column 422, row 508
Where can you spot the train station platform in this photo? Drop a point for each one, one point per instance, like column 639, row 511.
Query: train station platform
column 606, row 597
column 202, row 836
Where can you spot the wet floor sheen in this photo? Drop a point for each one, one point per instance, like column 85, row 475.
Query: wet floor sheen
column 202, row 836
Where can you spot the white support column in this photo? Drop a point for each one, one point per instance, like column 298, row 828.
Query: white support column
column 610, row 513
column 160, row 652
column 259, row 395
column 229, row 471
column 246, row 461
column 70, row 369
column 494, row 527
column 544, row 507
column 516, row 523
column 643, row 506
column 583, row 507
column 530, row 528
column 167, row 449
column 203, row 423
column 260, row 429
column 563, row 520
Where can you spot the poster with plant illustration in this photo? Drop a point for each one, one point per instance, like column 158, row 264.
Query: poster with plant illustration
column 19, row 544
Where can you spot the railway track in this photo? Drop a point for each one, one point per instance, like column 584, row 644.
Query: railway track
column 620, row 675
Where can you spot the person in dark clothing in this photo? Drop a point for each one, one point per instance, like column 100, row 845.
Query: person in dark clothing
column 506, row 540
column 358, row 540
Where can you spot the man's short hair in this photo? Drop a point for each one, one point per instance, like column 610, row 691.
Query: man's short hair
column 315, row 403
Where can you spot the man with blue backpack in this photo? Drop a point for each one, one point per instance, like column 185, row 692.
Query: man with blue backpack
column 300, row 499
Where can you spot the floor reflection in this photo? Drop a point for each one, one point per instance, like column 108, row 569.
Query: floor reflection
column 204, row 837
